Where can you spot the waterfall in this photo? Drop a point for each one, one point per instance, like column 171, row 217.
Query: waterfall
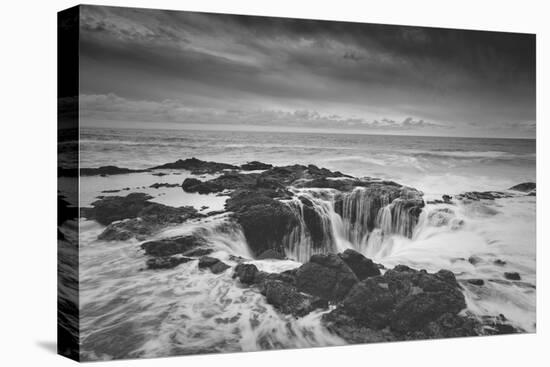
column 315, row 231
column 331, row 221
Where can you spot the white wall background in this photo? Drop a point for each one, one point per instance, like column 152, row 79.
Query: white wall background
column 28, row 181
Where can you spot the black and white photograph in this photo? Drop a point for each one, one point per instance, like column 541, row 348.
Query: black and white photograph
column 236, row 183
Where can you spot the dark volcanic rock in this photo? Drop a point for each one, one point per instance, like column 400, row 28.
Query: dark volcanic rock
column 409, row 304
column 483, row 195
column 201, row 187
column 216, row 266
column 498, row 325
column 108, row 170
column 499, row 262
column 142, row 218
column 196, row 166
column 287, row 299
column 163, row 184
column 325, row 276
column 255, row 165
column 478, row 282
column 512, row 276
column 198, row 252
column 264, row 220
column 172, row 246
column 524, row 187
column 168, row 262
column 359, row 264
column 227, row 181
column 246, row 273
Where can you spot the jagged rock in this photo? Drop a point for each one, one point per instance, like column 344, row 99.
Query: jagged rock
column 246, row 273
column 325, row 276
column 255, row 165
column 498, row 325
column 167, row 262
column 197, row 166
column 499, row 262
column 483, row 195
column 216, row 266
column 512, row 275
column 195, row 185
column 359, row 264
column 108, row 170
column 113, row 208
column 407, row 303
column 198, row 252
column 524, row 187
column 478, row 282
column 287, row 299
column 264, row 220
column 163, row 184
column 271, row 254
column 173, row 246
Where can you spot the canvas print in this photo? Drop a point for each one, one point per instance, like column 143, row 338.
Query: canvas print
column 233, row 183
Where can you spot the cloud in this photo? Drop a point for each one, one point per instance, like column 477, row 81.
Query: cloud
column 370, row 72
column 110, row 107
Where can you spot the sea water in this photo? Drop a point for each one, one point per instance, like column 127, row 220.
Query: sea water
column 127, row 311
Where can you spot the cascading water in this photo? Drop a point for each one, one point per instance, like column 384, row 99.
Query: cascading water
column 331, row 221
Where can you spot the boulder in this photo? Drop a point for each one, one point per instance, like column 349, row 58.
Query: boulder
column 114, row 208
column 359, row 264
column 255, row 165
column 158, row 185
column 512, row 275
column 408, row 303
column 166, row 262
column 197, row 166
column 288, row 300
column 482, row 195
column 198, row 186
column 246, row 273
column 216, row 266
column 326, row 276
column 264, row 220
column 524, row 187
column 173, row 246
column 478, row 282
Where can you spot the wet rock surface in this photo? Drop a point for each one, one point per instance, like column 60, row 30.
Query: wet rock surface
column 483, row 195
column 326, row 276
column 134, row 216
column 255, row 166
column 167, row 262
column 512, row 276
column 197, row 166
column 359, row 264
column 401, row 304
column 524, row 187
column 216, row 266
column 172, row 246
column 286, row 298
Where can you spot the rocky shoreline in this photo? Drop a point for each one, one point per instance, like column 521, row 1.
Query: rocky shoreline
column 287, row 211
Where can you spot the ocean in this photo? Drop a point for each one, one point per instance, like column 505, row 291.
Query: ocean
column 128, row 312
column 436, row 165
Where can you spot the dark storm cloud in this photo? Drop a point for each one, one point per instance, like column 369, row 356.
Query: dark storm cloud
column 197, row 67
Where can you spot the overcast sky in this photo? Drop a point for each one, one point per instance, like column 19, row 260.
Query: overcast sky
column 143, row 67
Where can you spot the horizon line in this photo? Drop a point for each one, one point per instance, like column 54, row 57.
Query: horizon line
column 283, row 129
